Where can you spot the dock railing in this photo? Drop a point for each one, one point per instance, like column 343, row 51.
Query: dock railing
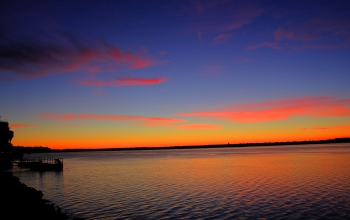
column 44, row 160
column 40, row 163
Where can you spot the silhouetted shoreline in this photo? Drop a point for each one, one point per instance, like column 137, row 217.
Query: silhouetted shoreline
column 287, row 143
column 18, row 201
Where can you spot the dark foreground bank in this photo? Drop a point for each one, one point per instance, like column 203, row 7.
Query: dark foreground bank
column 18, row 201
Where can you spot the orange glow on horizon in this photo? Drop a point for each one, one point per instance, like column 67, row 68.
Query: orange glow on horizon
column 315, row 118
column 167, row 142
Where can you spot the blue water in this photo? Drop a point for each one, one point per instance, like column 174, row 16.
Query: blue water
column 280, row 182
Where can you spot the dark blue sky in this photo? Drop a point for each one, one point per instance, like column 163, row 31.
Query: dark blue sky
column 133, row 71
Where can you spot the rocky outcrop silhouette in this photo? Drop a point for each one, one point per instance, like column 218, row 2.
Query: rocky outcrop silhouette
column 18, row 201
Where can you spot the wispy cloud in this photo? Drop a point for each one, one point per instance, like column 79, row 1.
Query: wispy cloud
column 273, row 45
column 279, row 110
column 222, row 38
column 314, row 29
column 19, row 125
column 224, row 16
column 142, row 120
column 61, row 53
column 149, row 121
column 125, row 82
column 219, row 18
column 289, row 34
column 198, row 126
column 317, row 33
column 141, row 63
column 241, row 16
column 344, row 127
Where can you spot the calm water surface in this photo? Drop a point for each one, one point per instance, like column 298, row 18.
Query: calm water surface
column 280, row 182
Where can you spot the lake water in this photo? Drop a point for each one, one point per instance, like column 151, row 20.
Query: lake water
column 279, row 182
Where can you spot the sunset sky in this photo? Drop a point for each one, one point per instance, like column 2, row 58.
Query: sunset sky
column 134, row 73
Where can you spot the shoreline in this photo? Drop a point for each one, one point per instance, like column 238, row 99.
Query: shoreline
column 285, row 143
column 18, row 201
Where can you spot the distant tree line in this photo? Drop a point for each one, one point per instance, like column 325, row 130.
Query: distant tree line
column 35, row 149
column 335, row 140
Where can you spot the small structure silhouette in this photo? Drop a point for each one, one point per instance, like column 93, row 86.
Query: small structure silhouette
column 40, row 163
column 10, row 155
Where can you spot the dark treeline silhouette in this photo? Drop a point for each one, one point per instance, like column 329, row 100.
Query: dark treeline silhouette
column 6, row 136
column 10, row 153
column 18, row 201
column 328, row 141
column 6, row 148
column 36, row 149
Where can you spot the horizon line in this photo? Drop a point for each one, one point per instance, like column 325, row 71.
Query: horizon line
column 245, row 144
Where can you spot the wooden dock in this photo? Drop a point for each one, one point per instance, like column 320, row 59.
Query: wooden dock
column 40, row 163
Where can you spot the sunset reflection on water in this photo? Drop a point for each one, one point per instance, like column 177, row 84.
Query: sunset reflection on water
column 285, row 182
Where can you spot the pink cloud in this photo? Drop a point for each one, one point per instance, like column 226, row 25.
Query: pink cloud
column 329, row 128
column 241, row 16
column 142, row 120
column 159, row 121
column 205, row 8
column 142, row 63
column 288, row 34
column 280, row 33
column 219, row 18
column 199, row 35
column 286, row 102
column 279, row 110
column 63, row 53
column 222, row 38
column 198, row 127
column 22, row 125
column 317, row 33
column 90, row 116
column 320, row 46
column 273, row 45
column 163, row 52
column 125, row 82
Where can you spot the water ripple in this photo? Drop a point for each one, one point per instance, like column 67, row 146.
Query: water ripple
column 303, row 182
